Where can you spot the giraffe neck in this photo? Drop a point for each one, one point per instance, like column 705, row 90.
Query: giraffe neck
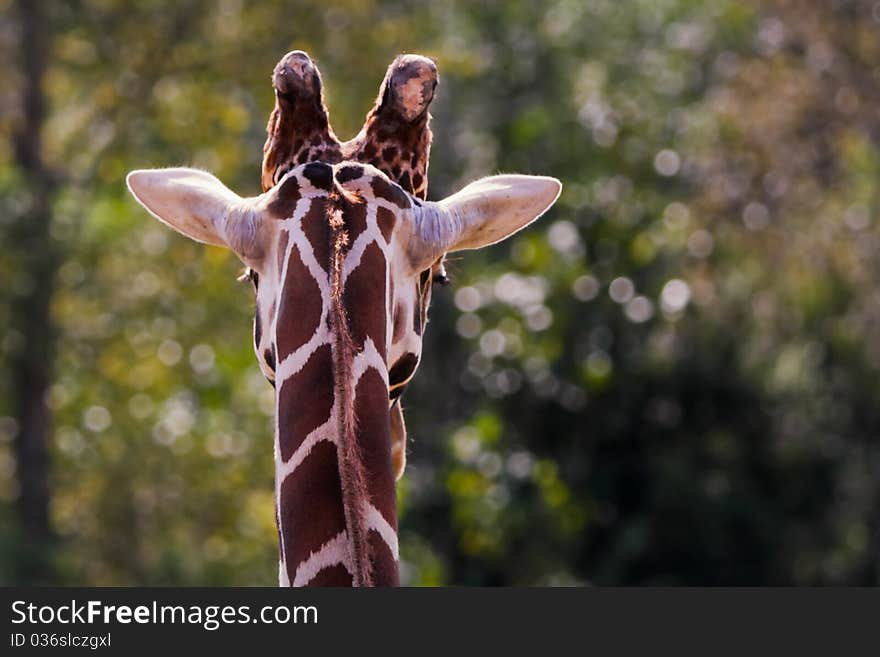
column 336, row 503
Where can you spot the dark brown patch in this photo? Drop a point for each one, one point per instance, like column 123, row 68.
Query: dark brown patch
column 349, row 172
column 395, row 175
column 364, row 299
column 319, row 174
column 385, row 571
column 404, row 181
column 286, row 198
column 315, row 228
column 369, row 151
column 303, row 157
column 386, row 220
column 389, row 154
column 390, row 192
column 258, row 327
column 269, row 357
column 332, row 576
column 305, row 400
column 300, row 312
column 384, row 133
column 417, row 180
column 403, row 369
column 311, row 505
column 355, row 218
column 374, row 438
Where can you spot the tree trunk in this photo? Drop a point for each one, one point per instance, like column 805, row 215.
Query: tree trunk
column 37, row 262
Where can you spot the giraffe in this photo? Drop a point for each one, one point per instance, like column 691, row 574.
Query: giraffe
column 335, row 251
column 395, row 138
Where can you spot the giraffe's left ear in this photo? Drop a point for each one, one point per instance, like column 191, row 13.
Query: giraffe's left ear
column 483, row 213
column 198, row 205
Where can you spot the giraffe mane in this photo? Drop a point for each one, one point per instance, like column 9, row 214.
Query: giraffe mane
column 351, row 469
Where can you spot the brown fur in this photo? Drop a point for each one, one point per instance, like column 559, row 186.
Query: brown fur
column 351, row 471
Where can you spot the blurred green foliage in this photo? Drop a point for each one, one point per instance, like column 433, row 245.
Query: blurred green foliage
column 671, row 379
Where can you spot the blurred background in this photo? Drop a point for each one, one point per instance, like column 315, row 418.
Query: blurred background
column 671, row 379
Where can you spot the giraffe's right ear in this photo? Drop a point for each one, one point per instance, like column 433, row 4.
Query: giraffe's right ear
column 198, row 205
column 483, row 213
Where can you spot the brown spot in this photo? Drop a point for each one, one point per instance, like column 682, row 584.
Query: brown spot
column 303, row 157
column 319, row 174
column 317, row 140
column 305, row 400
column 390, row 192
column 385, row 571
column 369, row 151
column 332, row 576
column 403, row 369
column 355, row 220
column 384, row 133
column 286, row 196
column 301, row 304
column 364, row 299
column 297, row 145
column 317, row 231
column 386, row 220
column 349, row 172
column 389, row 154
column 311, row 505
column 404, row 181
column 258, row 327
column 417, row 180
column 269, row 357
column 374, row 439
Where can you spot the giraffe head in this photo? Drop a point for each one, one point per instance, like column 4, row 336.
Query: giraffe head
column 340, row 255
